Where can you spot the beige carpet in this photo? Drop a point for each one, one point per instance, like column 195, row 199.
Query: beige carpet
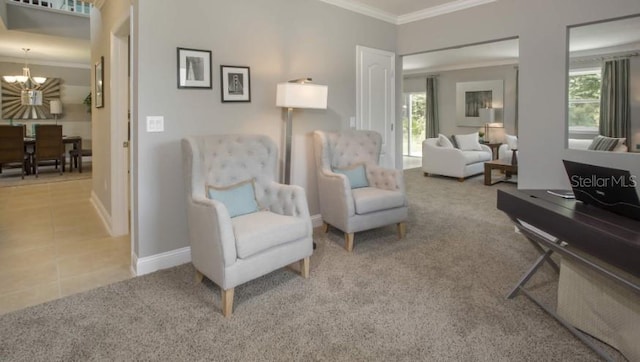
column 47, row 174
column 437, row 295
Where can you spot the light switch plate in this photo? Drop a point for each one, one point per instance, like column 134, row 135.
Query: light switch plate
column 155, row 124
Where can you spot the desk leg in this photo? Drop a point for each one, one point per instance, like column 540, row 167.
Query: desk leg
column 537, row 240
column 525, row 278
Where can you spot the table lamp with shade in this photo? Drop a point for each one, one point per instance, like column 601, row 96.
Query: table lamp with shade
column 488, row 117
column 55, row 108
column 299, row 93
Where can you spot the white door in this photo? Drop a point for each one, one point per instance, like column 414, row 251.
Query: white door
column 375, row 98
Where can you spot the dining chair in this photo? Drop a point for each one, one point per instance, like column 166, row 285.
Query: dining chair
column 49, row 146
column 12, row 147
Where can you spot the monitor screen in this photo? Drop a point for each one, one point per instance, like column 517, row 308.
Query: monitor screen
column 608, row 188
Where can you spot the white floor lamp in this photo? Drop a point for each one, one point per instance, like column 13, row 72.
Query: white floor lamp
column 301, row 94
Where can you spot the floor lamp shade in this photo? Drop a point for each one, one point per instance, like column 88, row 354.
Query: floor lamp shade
column 296, row 95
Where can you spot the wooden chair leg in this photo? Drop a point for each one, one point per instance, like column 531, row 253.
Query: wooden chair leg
column 348, row 237
column 227, row 302
column 304, row 267
column 402, row 230
column 325, row 227
column 426, row 174
column 199, row 276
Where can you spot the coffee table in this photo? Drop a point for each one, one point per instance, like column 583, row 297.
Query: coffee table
column 508, row 169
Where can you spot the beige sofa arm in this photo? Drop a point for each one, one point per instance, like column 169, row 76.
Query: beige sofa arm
column 385, row 178
column 289, row 200
column 337, row 199
column 211, row 232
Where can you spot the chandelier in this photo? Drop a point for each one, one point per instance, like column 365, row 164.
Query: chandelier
column 31, row 95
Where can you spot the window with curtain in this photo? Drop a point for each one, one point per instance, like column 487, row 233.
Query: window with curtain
column 413, row 123
column 584, row 100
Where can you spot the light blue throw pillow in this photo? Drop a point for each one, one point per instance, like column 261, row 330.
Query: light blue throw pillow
column 356, row 175
column 240, row 199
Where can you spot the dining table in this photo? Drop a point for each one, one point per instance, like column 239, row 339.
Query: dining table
column 74, row 141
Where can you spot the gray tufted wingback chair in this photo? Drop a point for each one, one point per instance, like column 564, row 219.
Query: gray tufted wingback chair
column 231, row 251
column 381, row 203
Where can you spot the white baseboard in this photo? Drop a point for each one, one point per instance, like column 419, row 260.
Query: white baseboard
column 316, row 220
column 102, row 212
column 149, row 264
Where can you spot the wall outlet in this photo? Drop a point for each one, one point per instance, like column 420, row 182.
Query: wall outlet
column 352, row 122
column 155, row 124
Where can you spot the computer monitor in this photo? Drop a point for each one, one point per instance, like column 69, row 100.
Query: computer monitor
column 608, row 188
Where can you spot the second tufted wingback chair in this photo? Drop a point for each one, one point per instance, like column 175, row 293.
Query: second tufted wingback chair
column 233, row 250
column 382, row 202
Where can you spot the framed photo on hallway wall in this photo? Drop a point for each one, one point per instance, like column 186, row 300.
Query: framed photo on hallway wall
column 98, row 84
column 235, row 84
column 194, row 68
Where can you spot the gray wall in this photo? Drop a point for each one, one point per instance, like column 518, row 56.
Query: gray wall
column 279, row 40
column 104, row 23
column 541, row 28
column 634, row 90
column 447, row 96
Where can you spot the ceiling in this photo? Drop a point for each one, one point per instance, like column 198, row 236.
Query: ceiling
column 622, row 35
column 54, row 37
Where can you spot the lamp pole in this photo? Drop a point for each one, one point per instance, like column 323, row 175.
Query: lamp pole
column 287, row 155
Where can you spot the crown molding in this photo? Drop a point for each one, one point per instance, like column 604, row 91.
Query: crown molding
column 364, row 10
column 440, row 10
column 406, row 18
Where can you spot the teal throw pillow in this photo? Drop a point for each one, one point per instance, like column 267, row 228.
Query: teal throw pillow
column 356, row 175
column 240, row 198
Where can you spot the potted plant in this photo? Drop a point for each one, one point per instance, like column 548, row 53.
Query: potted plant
column 481, row 136
column 87, row 102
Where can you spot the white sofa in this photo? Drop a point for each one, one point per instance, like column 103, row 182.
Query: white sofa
column 583, row 144
column 452, row 162
column 505, row 153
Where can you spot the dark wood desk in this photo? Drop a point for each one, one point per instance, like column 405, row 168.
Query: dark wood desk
column 74, row 141
column 588, row 236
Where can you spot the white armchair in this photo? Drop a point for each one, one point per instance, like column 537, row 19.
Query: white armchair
column 452, row 162
column 508, row 149
column 380, row 202
column 233, row 250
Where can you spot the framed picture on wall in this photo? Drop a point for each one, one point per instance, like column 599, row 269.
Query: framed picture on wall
column 235, row 84
column 99, row 85
column 473, row 96
column 194, row 68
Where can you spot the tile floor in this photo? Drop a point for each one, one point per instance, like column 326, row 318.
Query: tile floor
column 53, row 244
